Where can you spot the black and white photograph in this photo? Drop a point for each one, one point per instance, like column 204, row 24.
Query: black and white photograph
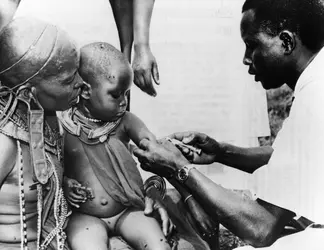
column 161, row 124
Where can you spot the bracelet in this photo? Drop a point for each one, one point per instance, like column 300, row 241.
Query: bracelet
column 185, row 200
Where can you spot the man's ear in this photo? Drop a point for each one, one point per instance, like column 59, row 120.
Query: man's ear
column 288, row 41
column 86, row 90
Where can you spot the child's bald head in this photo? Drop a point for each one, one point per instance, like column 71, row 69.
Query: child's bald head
column 107, row 77
column 102, row 61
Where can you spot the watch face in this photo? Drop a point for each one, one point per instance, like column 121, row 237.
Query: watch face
column 182, row 174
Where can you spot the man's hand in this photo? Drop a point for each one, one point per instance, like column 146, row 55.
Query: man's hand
column 210, row 148
column 74, row 192
column 161, row 158
column 155, row 207
column 145, row 68
column 201, row 221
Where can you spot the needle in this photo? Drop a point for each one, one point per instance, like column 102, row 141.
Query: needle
column 181, row 144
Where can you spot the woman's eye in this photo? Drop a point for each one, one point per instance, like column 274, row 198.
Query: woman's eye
column 69, row 80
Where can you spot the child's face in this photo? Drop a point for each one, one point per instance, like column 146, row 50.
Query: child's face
column 108, row 100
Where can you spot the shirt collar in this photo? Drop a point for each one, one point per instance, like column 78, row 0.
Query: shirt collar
column 314, row 69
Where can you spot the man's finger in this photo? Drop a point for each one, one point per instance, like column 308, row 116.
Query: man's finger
column 155, row 73
column 189, row 138
column 181, row 135
column 203, row 229
column 178, row 136
column 142, row 156
column 184, row 150
column 138, row 152
column 144, row 144
column 145, row 167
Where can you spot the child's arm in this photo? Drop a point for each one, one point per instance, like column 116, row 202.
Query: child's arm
column 136, row 129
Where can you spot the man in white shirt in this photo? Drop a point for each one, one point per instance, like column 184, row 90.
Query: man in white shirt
column 284, row 40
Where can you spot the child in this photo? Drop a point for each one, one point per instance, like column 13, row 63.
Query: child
column 97, row 135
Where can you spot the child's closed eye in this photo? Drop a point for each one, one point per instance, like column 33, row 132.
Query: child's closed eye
column 115, row 95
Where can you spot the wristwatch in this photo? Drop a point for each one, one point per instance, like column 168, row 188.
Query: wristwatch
column 183, row 173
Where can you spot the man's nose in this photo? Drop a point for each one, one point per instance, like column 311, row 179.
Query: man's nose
column 247, row 59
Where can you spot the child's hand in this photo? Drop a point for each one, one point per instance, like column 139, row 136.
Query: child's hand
column 154, row 206
column 74, row 192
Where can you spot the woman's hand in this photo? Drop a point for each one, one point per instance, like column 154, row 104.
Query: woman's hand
column 145, row 69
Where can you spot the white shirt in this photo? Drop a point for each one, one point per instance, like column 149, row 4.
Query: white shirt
column 295, row 172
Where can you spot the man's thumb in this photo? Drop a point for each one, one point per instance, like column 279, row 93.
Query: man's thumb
column 189, row 139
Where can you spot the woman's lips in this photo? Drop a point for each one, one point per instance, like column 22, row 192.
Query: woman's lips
column 74, row 97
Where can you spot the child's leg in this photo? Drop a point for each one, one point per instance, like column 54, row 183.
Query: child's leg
column 141, row 232
column 87, row 232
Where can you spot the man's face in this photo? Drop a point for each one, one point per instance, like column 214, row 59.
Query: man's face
column 264, row 54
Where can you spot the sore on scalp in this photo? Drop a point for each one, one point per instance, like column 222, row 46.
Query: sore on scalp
column 100, row 59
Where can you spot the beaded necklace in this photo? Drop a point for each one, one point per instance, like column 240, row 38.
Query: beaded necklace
column 60, row 207
column 88, row 118
column 23, row 225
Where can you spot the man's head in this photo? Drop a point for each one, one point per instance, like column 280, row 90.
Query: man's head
column 42, row 57
column 281, row 38
column 107, row 79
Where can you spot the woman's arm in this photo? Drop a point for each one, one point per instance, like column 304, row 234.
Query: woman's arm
column 123, row 14
column 144, row 64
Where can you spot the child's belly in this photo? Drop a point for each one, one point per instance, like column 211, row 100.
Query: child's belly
column 102, row 205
